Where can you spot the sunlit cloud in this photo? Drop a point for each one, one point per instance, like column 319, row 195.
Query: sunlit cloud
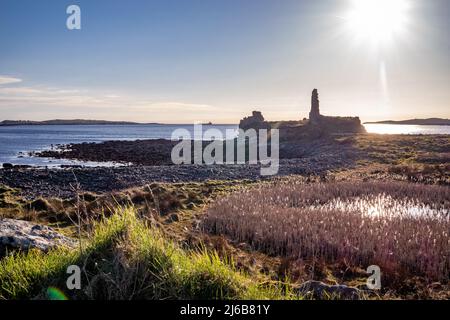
column 19, row 91
column 8, row 80
column 72, row 102
column 171, row 106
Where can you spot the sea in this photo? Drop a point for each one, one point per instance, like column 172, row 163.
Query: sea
column 16, row 142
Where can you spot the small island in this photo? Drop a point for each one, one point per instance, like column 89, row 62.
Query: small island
column 65, row 122
column 418, row 122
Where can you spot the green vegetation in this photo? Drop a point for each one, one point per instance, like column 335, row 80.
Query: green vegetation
column 124, row 258
column 8, row 197
column 404, row 149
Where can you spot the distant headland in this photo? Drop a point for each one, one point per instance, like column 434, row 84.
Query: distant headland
column 419, row 122
column 65, row 122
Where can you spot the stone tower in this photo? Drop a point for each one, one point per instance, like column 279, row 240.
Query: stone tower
column 314, row 114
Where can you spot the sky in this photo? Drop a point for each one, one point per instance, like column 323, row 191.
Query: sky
column 183, row 61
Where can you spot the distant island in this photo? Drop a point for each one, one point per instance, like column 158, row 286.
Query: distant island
column 66, row 122
column 421, row 122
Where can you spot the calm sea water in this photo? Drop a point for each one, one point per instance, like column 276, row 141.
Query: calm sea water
column 406, row 129
column 17, row 141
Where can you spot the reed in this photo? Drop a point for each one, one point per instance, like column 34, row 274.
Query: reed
column 402, row 227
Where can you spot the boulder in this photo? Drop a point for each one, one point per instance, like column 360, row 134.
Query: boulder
column 8, row 166
column 39, row 205
column 320, row 290
column 174, row 217
column 24, row 235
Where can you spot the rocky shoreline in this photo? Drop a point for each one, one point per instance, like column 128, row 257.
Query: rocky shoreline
column 158, row 152
column 64, row 183
column 150, row 162
column 142, row 152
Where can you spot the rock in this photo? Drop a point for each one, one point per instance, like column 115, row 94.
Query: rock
column 174, row 217
column 8, row 166
column 320, row 290
column 24, row 235
column 89, row 197
column 40, row 205
column 190, row 205
column 22, row 166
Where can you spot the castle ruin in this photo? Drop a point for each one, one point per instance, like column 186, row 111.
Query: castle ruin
column 314, row 114
column 317, row 124
column 255, row 121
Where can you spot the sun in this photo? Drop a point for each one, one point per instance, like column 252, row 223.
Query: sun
column 378, row 22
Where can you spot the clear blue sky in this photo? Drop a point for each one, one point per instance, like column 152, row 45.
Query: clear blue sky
column 208, row 60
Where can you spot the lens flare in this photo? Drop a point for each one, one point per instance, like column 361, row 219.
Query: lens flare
column 56, row 294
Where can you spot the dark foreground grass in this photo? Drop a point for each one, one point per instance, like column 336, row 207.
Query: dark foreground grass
column 123, row 258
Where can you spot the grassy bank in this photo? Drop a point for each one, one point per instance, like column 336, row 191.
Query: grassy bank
column 123, row 258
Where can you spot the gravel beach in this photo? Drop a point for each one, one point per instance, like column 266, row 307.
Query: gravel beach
column 304, row 159
column 63, row 183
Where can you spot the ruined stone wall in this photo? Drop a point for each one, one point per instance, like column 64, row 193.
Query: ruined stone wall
column 255, row 121
column 341, row 124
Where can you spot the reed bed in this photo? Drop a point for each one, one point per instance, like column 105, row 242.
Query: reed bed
column 401, row 227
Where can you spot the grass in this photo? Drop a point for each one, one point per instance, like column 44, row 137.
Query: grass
column 404, row 149
column 123, row 258
column 8, row 197
column 361, row 223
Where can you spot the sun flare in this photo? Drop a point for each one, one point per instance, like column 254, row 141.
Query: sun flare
column 377, row 21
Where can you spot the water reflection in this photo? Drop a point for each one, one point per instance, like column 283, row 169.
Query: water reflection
column 406, row 129
column 386, row 206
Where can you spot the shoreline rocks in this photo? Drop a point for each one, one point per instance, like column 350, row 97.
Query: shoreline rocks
column 152, row 164
column 65, row 183
column 8, row 166
column 143, row 152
